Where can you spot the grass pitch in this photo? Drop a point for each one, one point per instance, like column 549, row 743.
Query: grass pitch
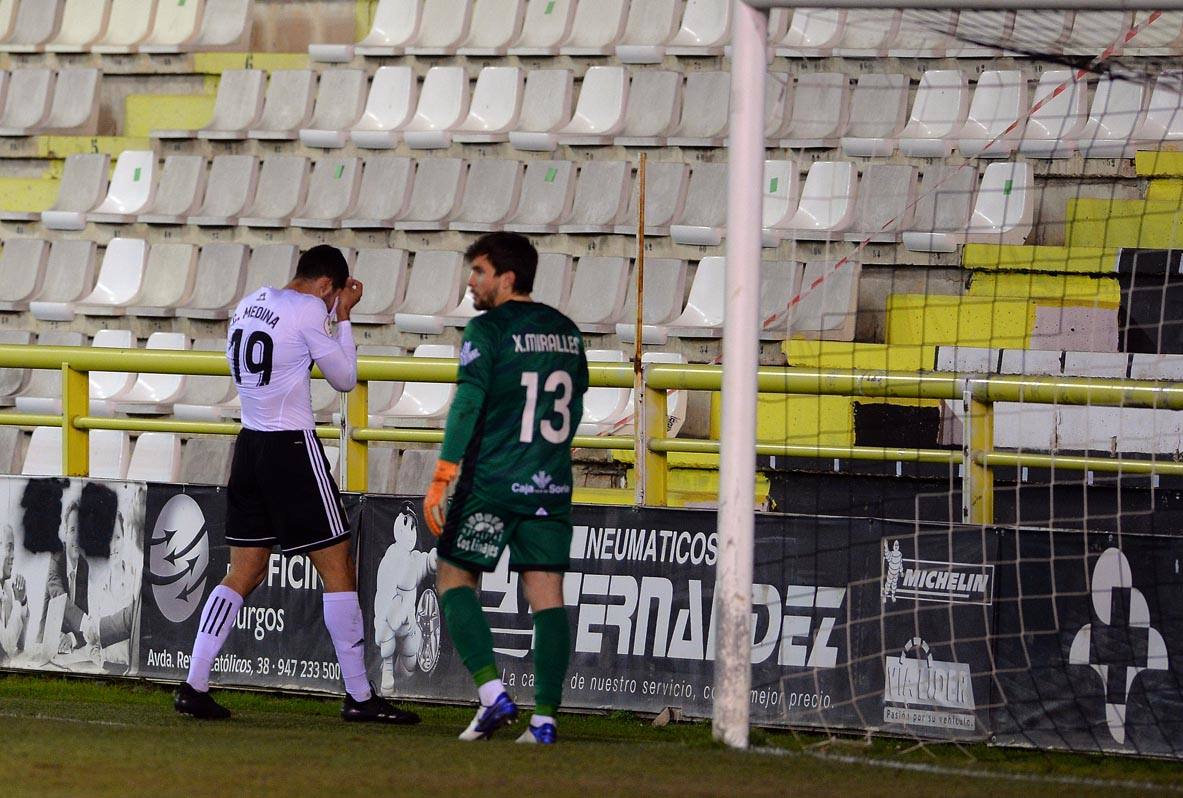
column 72, row 737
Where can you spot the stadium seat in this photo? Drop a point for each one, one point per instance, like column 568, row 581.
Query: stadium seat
column 109, row 387
column 1094, row 31
column 977, row 32
column 878, row 113
column 491, row 194
column 390, row 107
column 230, row 186
column 226, row 25
column 12, row 450
column 175, row 29
column 121, row 279
column 332, row 193
column 383, row 394
column 653, row 109
column 131, row 189
column 156, row 458
column 548, row 190
column 168, row 280
column 43, row 389
column 205, row 460
column 598, row 292
column 938, row 114
column 69, row 276
column 706, row 104
column 423, row 402
column 1005, row 205
column 780, row 198
column 603, row 407
column 495, row 25
column 22, row 269
column 665, row 197
column 601, row 197
column 1164, row 37
column 415, row 469
column 704, row 213
column 868, row 33
column 35, row 24
column 1053, row 129
column 546, row 26
column 1119, row 106
column 75, row 107
column 27, row 101
column 820, row 112
column 381, row 467
column 1164, row 114
column 703, row 314
column 154, row 394
column 546, row 107
column 281, row 191
column 596, row 28
column 997, row 115
column 205, row 397
column 178, row 192
column 886, row 199
column 83, row 23
column 394, row 26
column 826, row 311
column 496, row 106
column 1041, row 31
column 271, row 265
column 435, row 197
column 780, row 282
column 943, row 209
column 705, row 29
column 443, row 105
column 83, row 186
column 434, row 290
column 827, row 204
column 12, row 380
column 384, row 274
column 665, row 288
column 650, row 25
column 600, row 112
column 110, row 451
column 812, row 32
column 287, row 106
column 552, row 280
column 924, row 34
column 237, row 106
column 219, row 282
column 385, row 192
column 675, row 408
column 340, row 101
column 129, row 24
column 444, row 25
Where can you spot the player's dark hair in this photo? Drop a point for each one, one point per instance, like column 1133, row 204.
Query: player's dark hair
column 508, row 252
column 323, row 260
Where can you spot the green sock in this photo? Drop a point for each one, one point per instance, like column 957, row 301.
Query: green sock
column 470, row 632
column 552, row 653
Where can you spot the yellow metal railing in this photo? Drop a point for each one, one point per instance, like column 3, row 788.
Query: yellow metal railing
column 649, row 443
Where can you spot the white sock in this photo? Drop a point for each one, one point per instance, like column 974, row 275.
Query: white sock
column 489, row 691
column 343, row 619
column 217, row 619
column 539, row 720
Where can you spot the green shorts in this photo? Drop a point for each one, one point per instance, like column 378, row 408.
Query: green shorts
column 476, row 532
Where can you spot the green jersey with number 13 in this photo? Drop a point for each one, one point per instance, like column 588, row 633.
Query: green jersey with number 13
column 528, row 360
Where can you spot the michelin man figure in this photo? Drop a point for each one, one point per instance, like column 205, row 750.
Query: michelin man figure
column 396, row 629
column 895, row 565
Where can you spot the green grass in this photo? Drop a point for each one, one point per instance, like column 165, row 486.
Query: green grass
column 64, row 736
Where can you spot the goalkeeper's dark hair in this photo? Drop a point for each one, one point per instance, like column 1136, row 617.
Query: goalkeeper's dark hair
column 508, row 252
column 323, row 260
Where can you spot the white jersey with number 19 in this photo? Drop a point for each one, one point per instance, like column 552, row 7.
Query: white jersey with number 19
column 275, row 336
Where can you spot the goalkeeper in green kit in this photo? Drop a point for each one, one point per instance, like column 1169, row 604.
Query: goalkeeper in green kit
column 507, row 446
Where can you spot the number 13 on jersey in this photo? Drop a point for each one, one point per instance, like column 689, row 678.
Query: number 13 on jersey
column 558, row 384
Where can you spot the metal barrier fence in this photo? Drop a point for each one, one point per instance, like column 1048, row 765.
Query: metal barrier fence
column 649, row 443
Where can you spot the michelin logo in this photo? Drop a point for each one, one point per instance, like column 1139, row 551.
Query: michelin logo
column 934, row 580
column 919, row 690
column 541, row 482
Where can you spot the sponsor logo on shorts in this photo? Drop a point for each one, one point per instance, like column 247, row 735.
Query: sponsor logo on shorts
column 540, row 483
column 481, row 534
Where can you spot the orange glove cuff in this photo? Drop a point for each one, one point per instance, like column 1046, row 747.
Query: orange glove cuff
column 445, row 471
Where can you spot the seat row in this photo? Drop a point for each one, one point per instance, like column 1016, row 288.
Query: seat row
column 124, row 26
column 535, row 110
column 645, row 31
column 39, row 101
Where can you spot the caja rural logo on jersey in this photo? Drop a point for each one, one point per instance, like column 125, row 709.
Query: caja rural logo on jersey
column 540, row 483
column 178, row 558
column 934, row 580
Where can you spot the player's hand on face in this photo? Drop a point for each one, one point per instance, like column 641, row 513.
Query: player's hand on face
column 350, row 295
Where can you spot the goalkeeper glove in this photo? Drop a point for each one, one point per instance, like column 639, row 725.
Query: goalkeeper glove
column 433, row 502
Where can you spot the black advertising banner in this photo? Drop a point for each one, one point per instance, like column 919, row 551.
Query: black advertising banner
column 1089, row 642
column 830, row 647
column 279, row 638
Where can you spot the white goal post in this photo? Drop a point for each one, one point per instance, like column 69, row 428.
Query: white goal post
column 737, row 465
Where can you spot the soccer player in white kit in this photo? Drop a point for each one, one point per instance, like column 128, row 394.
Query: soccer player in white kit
column 280, row 490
